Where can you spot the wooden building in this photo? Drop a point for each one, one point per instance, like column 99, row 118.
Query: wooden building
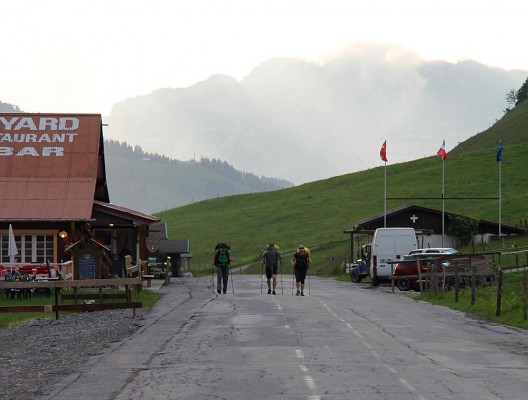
column 54, row 193
column 427, row 222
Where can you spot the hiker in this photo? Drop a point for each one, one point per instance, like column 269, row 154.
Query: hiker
column 300, row 261
column 271, row 259
column 221, row 260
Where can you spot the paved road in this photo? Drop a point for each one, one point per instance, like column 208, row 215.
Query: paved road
column 342, row 341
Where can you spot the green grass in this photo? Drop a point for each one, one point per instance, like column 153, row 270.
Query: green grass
column 486, row 301
column 10, row 320
column 315, row 214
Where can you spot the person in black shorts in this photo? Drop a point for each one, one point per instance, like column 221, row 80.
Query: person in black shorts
column 271, row 259
column 300, row 261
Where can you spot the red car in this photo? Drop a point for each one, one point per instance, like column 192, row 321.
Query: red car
column 407, row 266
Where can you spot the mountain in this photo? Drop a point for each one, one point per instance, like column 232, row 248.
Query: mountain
column 316, row 213
column 303, row 121
column 160, row 183
column 8, row 108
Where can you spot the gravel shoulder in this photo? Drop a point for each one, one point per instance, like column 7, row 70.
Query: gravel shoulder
column 40, row 352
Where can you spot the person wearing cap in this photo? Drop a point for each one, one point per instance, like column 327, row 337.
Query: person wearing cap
column 300, row 261
column 271, row 259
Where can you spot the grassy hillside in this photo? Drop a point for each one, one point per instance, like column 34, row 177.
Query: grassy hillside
column 512, row 129
column 316, row 213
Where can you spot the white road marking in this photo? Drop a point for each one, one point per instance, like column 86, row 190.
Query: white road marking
column 310, row 382
column 390, row 369
column 299, row 353
column 407, row 384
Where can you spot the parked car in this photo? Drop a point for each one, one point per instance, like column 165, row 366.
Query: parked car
column 426, row 256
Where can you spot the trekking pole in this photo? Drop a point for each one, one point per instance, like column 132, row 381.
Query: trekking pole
column 261, row 276
column 214, row 291
column 282, row 285
column 232, row 286
column 293, row 278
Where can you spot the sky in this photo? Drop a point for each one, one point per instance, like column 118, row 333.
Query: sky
column 85, row 56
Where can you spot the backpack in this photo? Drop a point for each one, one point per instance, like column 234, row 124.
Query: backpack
column 222, row 254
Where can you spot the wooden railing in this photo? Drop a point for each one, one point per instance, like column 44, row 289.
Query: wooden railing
column 65, row 288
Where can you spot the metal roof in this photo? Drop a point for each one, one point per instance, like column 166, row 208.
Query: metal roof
column 377, row 221
column 174, row 246
column 121, row 211
column 51, row 166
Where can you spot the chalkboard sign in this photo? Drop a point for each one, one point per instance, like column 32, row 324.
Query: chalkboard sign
column 86, row 265
column 117, row 268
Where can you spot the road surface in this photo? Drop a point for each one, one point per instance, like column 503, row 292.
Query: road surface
column 340, row 341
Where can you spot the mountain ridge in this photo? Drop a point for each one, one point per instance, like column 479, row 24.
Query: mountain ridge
column 318, row 120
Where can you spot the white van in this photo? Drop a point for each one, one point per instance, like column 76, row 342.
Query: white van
column 389, row 244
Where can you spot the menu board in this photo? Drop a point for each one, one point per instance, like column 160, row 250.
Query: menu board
column 86, row 265
column 116, row 269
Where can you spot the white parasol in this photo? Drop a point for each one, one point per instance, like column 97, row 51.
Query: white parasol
column 12, row 248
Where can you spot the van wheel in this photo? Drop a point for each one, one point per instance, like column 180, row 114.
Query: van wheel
column 404, row 284
column 354, row 276
column 374, row 281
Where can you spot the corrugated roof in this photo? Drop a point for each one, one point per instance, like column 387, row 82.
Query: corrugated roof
column 50, row 166
column 126, row 212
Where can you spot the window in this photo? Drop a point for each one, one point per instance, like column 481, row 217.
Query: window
column 31, row 248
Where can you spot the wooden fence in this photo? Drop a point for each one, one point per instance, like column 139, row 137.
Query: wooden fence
column 69, row 290
column 472, row 270
column 448, row 271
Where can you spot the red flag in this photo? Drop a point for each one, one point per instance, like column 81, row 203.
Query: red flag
column 442, row 152
column 383, row 151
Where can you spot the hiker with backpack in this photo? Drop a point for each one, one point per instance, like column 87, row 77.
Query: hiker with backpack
column 271, row 259
column 300, row 261
column 221, row 260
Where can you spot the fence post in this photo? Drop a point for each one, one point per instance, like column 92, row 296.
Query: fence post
column 419, row 273
column 57, row 303
column 499, row 293
column 525, row 287
column 457, row 283
column 434, row 278
column 473, row 281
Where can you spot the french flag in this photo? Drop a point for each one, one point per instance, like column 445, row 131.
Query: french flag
column 442, row 152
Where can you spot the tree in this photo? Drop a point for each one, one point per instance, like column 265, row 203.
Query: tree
column 522, row 93
column 462, row 227
column 511, row 98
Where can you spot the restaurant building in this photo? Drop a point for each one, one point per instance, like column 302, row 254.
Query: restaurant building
column 54, row 194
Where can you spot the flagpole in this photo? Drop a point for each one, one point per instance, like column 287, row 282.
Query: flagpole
column 500, row 198
column 385, row 199
column 443, row 222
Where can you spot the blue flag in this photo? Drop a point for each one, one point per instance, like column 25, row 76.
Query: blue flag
column 499, row 151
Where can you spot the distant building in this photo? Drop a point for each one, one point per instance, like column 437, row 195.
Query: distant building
column 428, row 224
column 160, row 247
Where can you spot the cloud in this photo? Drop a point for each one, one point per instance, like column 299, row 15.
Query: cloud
column 303, row 121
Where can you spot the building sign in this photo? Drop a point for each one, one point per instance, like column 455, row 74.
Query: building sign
column 37, row 135
column 153, row 244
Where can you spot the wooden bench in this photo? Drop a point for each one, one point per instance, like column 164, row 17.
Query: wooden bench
column 147, row 278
